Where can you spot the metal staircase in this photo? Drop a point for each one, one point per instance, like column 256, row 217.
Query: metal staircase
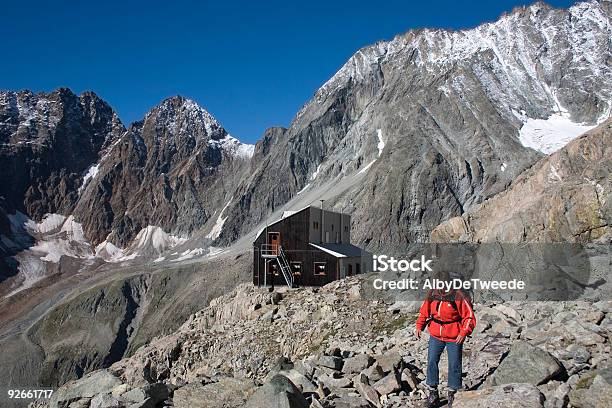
column 284, row 265
column 276, row 252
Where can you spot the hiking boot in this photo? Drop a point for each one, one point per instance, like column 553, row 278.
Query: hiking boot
column 433, row 399
column 451, row 398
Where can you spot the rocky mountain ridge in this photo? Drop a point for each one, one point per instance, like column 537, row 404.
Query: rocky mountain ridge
column 564, row 197
column 47, row 141
column 434, row 121
column 162, row 180
column 438, row 121
column 173, row 170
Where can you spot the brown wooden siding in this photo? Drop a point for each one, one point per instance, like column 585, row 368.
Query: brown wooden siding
column 294, row 231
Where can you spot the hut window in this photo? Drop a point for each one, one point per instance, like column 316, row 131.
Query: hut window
column 274, row 269
column 319, row 268
column 296, row 268
column 315, row 225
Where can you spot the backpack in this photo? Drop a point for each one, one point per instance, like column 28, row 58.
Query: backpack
column 451, row 298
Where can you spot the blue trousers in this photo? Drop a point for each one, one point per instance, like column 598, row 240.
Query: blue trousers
column 454, row 351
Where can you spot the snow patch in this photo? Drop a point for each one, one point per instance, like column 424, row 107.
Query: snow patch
column 151, row 240
column 550, row 135
column 188, row 254
column 554, row 174
column 381, row 143
column 31, row 270
column 316, row 173
column 366, row 168
column 74, row 230
column 304, row 189
column 50, row 222
column 91, row 173
column 234, row 146
column 109, row 252
column 213, row 252
column 155, row 238
column 55, row 236
column 68, row 241
column 218, row 227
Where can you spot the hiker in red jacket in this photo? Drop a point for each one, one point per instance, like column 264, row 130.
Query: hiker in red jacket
column 450, row 318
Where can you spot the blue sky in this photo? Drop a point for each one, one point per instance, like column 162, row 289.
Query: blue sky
column 251, row 64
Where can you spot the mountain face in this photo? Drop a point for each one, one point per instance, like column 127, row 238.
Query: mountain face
column 563, row 198
column 172, row 170
column 47, row 141
column 80, row 189
column 439, row 120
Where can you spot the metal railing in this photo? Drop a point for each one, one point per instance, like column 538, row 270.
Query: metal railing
column 276, row 251
column 284, row 265
column 269, row 250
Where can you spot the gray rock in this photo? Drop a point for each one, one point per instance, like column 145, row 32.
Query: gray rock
column 486, row 360
column 526, row 363
column 374, row 372
column 156, row 391
column 335, row 383
column 106, row 400
column 593, row 390
column 82, row 403
column 279, row 392
column 98, row 382
column 350, row 401
column 388, row 384
column 579, row 353
column 366, row 391
column 410, row 379
column 148, row 403
column 333, row 362
column 300, row 381
column 305, row 368
column 505, row 396
column 388, row 362
column 314, row 403
column 357, row 363
column 228, row 392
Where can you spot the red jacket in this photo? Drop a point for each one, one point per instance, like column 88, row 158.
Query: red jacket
column 462, row 319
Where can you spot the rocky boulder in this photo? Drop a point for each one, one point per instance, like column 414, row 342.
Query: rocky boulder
column 227, row 392
column 594, row 390
column 528, row 364
column 279, row 392
column 357, row 363
column 98, row 382
column 506, row 396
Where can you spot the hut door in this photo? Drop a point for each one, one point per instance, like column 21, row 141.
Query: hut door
column 274, row 240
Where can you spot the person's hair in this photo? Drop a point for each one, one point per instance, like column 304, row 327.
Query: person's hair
column 442, row 275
